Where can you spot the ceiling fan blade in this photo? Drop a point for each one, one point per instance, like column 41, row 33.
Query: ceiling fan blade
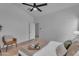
column 27, row 4
column 39, row 9
column 44, row 4
column 31, row 9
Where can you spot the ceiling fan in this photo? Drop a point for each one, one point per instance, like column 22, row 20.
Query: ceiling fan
column 35, row 6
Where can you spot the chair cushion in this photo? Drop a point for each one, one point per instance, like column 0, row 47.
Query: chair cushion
column 67, row 44
column 10, row 42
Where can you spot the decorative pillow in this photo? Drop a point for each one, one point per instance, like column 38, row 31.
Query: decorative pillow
column 67, row 44
column 61, row 50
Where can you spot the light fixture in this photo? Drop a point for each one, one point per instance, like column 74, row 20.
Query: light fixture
column 34, row 9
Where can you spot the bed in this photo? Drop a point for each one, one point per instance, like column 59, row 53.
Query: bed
column 51, row 50
column 48, row 50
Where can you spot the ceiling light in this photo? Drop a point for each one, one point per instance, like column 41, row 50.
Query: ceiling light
column 35, row 9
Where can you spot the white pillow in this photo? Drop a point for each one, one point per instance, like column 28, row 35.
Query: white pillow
column 61, row 50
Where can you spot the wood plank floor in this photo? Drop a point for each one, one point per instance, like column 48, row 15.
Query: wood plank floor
column 12, row 50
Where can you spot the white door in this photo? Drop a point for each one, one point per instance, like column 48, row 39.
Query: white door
column 31, row 31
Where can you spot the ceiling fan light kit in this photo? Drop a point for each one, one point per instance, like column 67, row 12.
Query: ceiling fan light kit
column 34, row 9
column 35, row 6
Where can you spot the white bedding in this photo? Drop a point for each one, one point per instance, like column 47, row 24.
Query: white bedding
column 48, row 50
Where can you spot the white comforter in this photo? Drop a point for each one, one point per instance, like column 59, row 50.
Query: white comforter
column 49, row 50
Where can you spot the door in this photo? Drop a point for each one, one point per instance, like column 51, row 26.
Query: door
column 31, row 31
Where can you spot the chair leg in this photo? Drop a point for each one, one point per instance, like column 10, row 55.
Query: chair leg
column 6, row 48
column 3, row 47
column 0, row 53
column 16, row 44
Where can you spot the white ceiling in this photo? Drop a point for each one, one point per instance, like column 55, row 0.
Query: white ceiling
column 50, row 8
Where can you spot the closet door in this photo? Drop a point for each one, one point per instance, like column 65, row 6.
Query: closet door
column 36, row 30
column 31, row 31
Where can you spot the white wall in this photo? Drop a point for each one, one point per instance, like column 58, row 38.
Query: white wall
column 57, row 26
column 15, row 22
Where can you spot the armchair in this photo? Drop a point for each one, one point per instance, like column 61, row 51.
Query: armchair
column 10, row 41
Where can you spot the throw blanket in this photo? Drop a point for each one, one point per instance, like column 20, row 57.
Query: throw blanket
column 73, row 49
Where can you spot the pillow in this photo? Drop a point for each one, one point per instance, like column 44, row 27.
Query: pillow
column 75, row 39
column 67, row 44
column 61, row 50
